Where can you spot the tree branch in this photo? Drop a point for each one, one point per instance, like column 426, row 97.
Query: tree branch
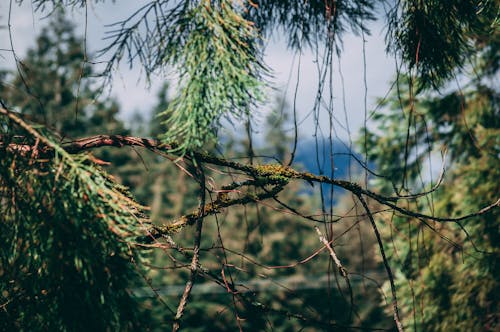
column 270, row 174
column 196, row 252
column 390, row 275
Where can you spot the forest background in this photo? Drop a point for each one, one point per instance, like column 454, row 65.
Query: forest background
column 261, row 266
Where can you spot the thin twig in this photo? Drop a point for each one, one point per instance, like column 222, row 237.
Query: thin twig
column 196, row 250
column 387, row 266
column 336, row 260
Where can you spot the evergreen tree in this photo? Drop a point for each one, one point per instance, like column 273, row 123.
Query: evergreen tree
column 52, row 86
column 65, row 264
column 447, row 273
column 278, row 140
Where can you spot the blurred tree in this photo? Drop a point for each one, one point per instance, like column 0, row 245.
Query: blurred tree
column 447, row 273
column 52, row 86
column 278, row 140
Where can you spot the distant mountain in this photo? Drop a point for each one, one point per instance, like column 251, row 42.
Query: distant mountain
column 317, row 160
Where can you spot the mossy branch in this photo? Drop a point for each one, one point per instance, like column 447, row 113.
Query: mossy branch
column 273, row 175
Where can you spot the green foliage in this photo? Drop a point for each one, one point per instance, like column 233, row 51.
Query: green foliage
column 50, row 79
column 447, row 272
column 55, row 88
column 68, row 258
column 462, row 123
column 309, row 23
column 67, row 231
column 215, row 47
column 436, row 37
column 215, row 51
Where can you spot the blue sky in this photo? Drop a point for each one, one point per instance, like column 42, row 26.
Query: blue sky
column 134, row 95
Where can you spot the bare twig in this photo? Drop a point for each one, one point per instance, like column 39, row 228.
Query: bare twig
column 336, row 260
column 395, row 308
column 196, row 252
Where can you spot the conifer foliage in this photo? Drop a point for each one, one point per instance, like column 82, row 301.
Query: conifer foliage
column 67, row 261
column 73, row 240
column 66, row 228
